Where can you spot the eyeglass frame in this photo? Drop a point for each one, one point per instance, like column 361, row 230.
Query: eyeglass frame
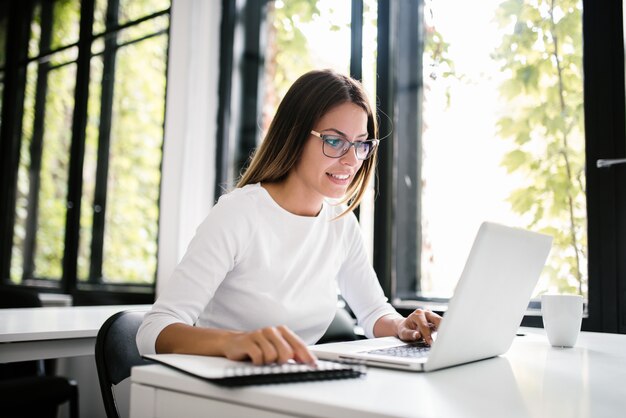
column 354, row 144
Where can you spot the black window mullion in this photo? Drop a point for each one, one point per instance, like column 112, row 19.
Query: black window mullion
column 142, row 38
column 18, row 32
column 77, row 148
column 227, row 36
column 48, row 53
column 104, row 141
column 253, row 63
column 36, row 147
column 408, row 154
column 384, row 209
column 356, row 40
column 399, row 88
column 603, row 61
column 356, row 49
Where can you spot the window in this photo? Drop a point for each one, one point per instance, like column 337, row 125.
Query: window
column 503, row 136
column 494, row 113
column 506, row 136
column 82, row 143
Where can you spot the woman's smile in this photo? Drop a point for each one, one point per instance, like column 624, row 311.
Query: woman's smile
column 340, row 179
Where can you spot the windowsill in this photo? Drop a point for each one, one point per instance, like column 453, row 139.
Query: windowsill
column 422, row 304
column 437, row 306
column 55, row 299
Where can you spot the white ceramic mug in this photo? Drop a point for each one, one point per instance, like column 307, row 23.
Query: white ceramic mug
column 562, row 317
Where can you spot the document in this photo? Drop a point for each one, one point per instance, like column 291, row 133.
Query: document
column 225, row 372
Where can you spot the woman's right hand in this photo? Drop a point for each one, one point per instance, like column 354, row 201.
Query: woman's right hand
column 267, row 345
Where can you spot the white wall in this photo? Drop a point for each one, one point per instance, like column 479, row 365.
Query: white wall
column 190, row 128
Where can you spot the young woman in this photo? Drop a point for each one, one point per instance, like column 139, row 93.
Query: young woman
column 259, row 280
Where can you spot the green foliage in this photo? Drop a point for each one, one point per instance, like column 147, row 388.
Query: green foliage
column 286, row 61
column 542, row 51
column 66, row 23
column 135, row 163
column 130, row 10
column 54, row 172
column 436, row 56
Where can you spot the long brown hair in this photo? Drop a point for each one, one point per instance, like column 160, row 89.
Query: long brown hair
column 307, row 101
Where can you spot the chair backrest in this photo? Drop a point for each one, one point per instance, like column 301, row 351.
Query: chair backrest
column 116, row 353
column 340, row 329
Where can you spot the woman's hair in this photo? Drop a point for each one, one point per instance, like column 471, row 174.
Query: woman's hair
column 312, row 96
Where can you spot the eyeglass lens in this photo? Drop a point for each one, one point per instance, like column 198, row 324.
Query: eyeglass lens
column 337, row 147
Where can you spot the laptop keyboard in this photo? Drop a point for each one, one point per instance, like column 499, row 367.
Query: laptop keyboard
column 411, row 350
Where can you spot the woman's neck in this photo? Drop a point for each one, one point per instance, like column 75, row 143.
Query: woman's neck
column 292, row 198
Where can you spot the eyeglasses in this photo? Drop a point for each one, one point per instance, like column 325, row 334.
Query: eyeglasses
column 335, row 146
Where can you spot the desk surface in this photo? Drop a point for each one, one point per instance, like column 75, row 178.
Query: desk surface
column 28, row 324
column 533, row 379
column 52, row 332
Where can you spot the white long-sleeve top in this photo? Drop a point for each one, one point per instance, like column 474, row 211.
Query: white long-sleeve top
column 253, row 264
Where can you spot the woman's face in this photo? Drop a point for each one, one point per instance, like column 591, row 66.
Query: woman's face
column 323, row 176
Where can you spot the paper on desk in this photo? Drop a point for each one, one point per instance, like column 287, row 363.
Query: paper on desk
column 202, row 366
column 220, row 367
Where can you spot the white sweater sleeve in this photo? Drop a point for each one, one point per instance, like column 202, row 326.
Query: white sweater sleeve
column 219, row 242
column 358, row 282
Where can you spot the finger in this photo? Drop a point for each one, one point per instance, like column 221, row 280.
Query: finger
column 254, row 352
column 300, row 350
column 407, row 333
column 268, row 351
column 283, row 350
column 419, row 318
column 242, row 347
column 433, row 319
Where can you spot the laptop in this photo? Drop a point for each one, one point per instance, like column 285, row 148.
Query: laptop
column 483, row 316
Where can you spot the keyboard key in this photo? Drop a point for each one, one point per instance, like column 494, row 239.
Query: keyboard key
column 412, row 350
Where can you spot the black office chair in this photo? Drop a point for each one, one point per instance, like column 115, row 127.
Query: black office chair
column 341, row 329
column 116, row 354
column 26, row 388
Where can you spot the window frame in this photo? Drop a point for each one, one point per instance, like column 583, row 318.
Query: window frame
column 94, row 291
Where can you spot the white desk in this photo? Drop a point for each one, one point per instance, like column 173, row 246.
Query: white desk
column 55, row 332
column 531, row 380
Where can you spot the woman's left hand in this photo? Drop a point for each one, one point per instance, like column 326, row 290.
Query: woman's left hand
column 421, row 323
